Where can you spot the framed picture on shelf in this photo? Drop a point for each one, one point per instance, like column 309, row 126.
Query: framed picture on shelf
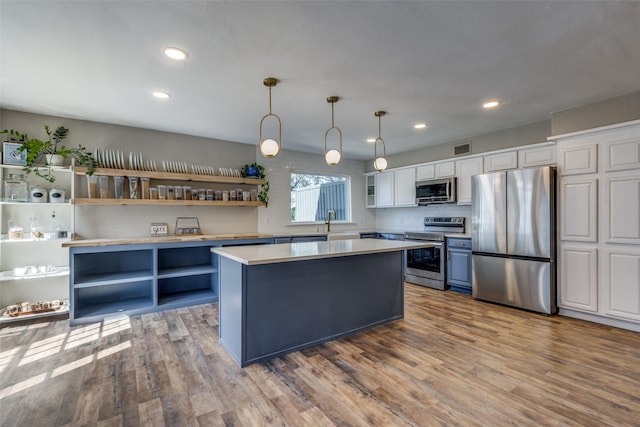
column 11, row 155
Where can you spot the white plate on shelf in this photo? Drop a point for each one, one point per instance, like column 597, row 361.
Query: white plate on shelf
column 121, row 159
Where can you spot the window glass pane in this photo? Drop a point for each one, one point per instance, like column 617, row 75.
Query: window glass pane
column 313, row 195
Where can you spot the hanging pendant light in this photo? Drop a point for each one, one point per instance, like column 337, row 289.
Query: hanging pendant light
column 333, row 156
column 270, row 147
column 379, row 163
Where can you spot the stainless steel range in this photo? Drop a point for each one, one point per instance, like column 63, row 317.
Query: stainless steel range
column 427, row 266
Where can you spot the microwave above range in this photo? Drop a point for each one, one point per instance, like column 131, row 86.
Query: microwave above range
column 436, row 191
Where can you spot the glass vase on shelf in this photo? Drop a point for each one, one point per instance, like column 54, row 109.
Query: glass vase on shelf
column 16, row 188
column 34, row 229
column 16, row 232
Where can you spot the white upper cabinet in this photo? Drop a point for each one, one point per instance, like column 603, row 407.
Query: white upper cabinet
column 538, row 156
column 405, row 187
column 436, row 170
column 577, row 159
column 384, row 189
column 501, row 161
column 425, row 172
column 622, row 155
column 466, row 169
column 445, row 169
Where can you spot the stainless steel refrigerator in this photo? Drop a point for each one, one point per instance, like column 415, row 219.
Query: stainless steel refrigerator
column 513, row 238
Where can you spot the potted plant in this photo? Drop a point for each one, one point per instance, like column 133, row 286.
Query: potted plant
column 255, row 170
column 53, row 152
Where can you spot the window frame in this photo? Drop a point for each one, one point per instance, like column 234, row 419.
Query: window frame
column 347, row 196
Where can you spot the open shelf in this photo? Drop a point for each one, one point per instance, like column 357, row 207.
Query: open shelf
column 194, row 270
column 194, row 297
column 7, row 319
column 172, row 176
column 6, row 276
column 112, row 278
column 107, row 268
column 5, row 239
column 66, row 203
column 115, row 298
column 114, row 307
column 155, row 202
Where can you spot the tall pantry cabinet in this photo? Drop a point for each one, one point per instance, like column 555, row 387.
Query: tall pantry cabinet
column 599, row 224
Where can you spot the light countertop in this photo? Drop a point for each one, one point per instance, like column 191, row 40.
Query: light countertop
column 287, row 252
column 166, row 239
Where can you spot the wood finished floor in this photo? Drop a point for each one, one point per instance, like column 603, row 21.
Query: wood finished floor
column 451, row 361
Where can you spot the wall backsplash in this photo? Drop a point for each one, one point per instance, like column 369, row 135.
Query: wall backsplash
column 411, row 219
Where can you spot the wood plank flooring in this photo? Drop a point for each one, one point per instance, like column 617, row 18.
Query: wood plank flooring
column 451, row 361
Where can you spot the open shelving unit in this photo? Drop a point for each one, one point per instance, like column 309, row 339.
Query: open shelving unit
column 172, row 176
column 168, row 176
column 150, row 202
column 141, row 278
column 16, row 253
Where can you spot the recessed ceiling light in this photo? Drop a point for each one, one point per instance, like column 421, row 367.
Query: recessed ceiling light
column 160, row 94
column 371, row 140
column 490, row 104
column 420, row 125
column 175, row 53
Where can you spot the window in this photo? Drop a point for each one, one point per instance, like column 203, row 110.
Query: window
column 313, row 195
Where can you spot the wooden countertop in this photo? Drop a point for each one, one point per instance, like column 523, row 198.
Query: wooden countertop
column 288, row 252
column 167, row 239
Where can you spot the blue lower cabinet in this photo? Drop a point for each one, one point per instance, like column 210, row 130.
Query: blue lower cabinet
column 459, row 264
column 133, row 279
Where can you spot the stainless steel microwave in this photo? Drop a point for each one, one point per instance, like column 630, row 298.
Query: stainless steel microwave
column 436, row 191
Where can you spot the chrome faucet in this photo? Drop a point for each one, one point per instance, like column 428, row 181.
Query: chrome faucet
column 329, row 212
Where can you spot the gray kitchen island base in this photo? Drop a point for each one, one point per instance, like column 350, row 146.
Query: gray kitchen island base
column 267, row 310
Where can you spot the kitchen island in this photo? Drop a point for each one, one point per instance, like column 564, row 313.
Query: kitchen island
column 275, row 299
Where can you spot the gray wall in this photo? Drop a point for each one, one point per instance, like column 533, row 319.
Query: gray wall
column 621, row 109
column 100, row 221
column 506, row 138
column 610, row 111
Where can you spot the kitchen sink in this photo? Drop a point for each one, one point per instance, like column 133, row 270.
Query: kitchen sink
column 344, row 235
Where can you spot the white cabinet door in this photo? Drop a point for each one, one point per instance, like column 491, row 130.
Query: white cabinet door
column 445, row 169
column 466, row 169
column 578, row 277
column 578, row 209
column 425, row 172
column 501, row 161
column 578, row 159
column 622, row 218
column 405, row 187
column 541, row 156
column 622, row 279
column 622, row 155
column 384, row 189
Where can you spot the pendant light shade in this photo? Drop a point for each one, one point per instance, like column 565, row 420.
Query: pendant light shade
column 379, row 163
column 333, row 156
column 270, row 147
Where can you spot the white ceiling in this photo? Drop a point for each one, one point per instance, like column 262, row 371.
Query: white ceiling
column 421, row 61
